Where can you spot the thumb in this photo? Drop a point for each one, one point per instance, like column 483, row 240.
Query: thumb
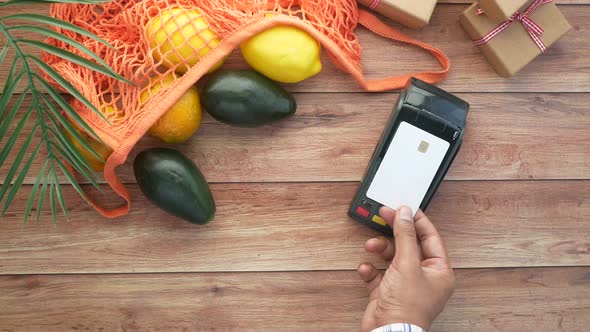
column 406, row 246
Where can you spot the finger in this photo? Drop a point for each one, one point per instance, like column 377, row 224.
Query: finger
column 430, row 240
column 406, row 245
column 381, row 246
column 419, row 214
column 369, row 274
column 387, row 214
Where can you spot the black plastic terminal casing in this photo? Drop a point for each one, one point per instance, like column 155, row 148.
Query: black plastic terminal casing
column 430, row 109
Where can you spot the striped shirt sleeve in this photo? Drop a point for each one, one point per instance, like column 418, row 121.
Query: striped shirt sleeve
column 400, row 327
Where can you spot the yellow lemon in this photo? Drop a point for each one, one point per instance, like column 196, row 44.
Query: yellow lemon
column 102, row 150
column 284, row 54
column 112, row 114
column 179, row 38
column 182, row 120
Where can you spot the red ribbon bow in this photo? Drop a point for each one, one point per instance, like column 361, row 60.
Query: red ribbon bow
column 534, row 30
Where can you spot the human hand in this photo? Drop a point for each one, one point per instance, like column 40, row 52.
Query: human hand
column 418, row 282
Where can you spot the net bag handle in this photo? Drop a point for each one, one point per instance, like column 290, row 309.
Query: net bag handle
column 371, row 22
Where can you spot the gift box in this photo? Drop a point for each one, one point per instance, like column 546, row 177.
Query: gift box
column 510, row 45
column 501, row 10
column 414, row 14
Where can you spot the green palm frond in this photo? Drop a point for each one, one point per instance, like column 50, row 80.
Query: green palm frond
column 35, row 2
column 44, row 114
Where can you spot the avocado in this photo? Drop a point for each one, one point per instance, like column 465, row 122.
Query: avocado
column 175, row 184
column 246, row 99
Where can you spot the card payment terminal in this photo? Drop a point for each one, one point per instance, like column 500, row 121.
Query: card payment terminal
column 416, row 149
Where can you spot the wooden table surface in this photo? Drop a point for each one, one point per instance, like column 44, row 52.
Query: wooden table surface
column 282, row 253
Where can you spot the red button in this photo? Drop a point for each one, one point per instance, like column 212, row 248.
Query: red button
column 363, row 212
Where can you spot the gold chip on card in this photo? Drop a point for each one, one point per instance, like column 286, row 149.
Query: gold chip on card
column 423, row 147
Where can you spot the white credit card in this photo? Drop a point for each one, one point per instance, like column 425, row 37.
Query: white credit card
column 408, row 168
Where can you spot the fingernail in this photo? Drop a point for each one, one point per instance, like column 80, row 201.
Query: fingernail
column 405, row 213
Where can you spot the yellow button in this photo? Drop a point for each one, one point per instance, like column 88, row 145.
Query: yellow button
column 379, row 220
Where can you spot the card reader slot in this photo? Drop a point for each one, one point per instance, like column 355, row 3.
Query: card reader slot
column 438, row 102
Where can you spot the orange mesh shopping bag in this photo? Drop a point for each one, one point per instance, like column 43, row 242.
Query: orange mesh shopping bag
column 133, row 108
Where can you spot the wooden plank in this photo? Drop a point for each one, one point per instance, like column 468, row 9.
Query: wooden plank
column 332, row 137
column 471, row 73
column 485, row 300
column 303, row 226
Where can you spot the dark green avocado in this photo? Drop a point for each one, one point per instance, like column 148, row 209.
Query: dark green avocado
column 246, row 99
column 175, row 184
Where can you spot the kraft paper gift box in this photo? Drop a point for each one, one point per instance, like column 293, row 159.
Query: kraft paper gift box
column 414, row 14
column 510, row 45
column 501, row 10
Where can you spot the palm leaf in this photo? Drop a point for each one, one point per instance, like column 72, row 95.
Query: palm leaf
column 50, row 108
column 43, row 193
column 60, row 197
column 52, row 183
column 9, row 79
column 4, row 52
column 72, row 180
column 19, row 180
column 34, row 2
column 67, row 151
column 34, row 190
column 7, row 95
column 16, row 164
column 5, row 123
column 71, row 130
column 15, row 134
column 67, row 156
column 57, row 23
column 74, row 58
column 59, row 99
column 102, row 68
column 58, row 36
column 9, row 89
column 63, row 83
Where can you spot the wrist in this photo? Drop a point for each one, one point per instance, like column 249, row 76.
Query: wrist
column 399, row 327
column 387, row 317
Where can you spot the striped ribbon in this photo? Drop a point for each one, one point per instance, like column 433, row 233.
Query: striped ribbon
column 375, row 4
column 534, row 30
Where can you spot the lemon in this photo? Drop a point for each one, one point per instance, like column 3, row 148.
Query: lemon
column 179, row 38
column 102, row 150
column 182, row 120
column 112, row 114
column 283, row 53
